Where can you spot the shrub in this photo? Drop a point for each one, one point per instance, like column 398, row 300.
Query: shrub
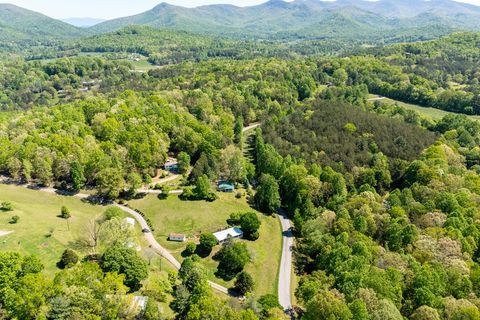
column 191, row 248
column 112, row 212
column 244, row 283
column 14, row 219
column 232, row 257
column 69, row 259
column 250, row 224
column 207, row 242
column 6, row 206
column 65, row 213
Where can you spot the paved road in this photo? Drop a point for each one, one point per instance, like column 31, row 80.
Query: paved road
column 153, row 243
column 284, row 279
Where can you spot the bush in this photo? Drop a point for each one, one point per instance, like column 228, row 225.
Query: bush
column 207, row 242
column 65, row 213
column 69, row 259
column 250, row 224
column 232, row 257
column 125, row 261
column 6, row 206
column 14, row 219
column 190, row 249
column 112, row 212
column 244, row 283
column 234, row 219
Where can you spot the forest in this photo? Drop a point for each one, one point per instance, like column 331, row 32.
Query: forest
column 385, row 201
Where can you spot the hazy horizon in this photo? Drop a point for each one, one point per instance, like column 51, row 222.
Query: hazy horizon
column 111, row 9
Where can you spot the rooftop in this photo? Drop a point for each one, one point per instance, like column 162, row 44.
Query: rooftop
column 225, row 234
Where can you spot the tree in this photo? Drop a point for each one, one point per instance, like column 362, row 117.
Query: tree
column 69, row 259
column 190, row 248
column 207, row 242
column 134, row 182
column 202, row 189
column 244, row 283
column 112, row 212
column 110, row 183
column 267, row 197
column 77, row 175
column 232, row 259
column 125, row 261
column 250, row 224
column 233, row 164
column 65, row 214
column 327, row 304
column 183, row 162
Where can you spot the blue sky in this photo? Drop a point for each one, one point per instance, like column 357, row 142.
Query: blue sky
column 108, row 9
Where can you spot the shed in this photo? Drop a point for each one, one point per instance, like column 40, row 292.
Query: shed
column 171, row 165
column 225, row 186
column 233, row 233
column 178, row 237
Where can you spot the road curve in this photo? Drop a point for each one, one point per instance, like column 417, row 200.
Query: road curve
column 153, row 243
column 285, row 275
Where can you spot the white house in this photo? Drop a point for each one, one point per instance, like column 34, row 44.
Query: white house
column 233, row 233
column 177, row 237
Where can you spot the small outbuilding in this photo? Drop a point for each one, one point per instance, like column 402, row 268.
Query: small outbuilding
column 231, row 233
column 177, row 237
column 225, row 186
column 171, row 165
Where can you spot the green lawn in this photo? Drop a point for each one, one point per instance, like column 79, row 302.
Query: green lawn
column 195, row 217
column 431, row 113
column 38, row 213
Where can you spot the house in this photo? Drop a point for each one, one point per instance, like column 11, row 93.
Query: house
column 231, row 233
column 177, row 237
column 225, row 186
column 171, row 165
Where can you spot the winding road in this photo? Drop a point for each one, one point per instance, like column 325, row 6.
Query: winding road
column 153, row 243
column 285, row 272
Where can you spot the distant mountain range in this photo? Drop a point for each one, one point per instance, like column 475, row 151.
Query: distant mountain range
column 18, row 24
column 383, row 20
column 309, row 18
column 83, row 22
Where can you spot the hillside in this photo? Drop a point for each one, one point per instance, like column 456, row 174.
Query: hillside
column 380, row 21
column 20, row 24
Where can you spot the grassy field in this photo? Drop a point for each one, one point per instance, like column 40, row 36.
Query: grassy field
column 431, row 113
column 195, row 217
column 39, row 230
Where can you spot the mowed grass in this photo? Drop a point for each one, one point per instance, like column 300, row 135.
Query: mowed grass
column 432, row 113
column 40, row 231
column 38, row 213
column 194, row 217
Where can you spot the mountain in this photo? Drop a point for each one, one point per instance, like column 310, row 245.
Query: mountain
column 311, row 18
column 21, row 24
column 83, row 22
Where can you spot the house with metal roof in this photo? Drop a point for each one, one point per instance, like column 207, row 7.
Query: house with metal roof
column 231, row 233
